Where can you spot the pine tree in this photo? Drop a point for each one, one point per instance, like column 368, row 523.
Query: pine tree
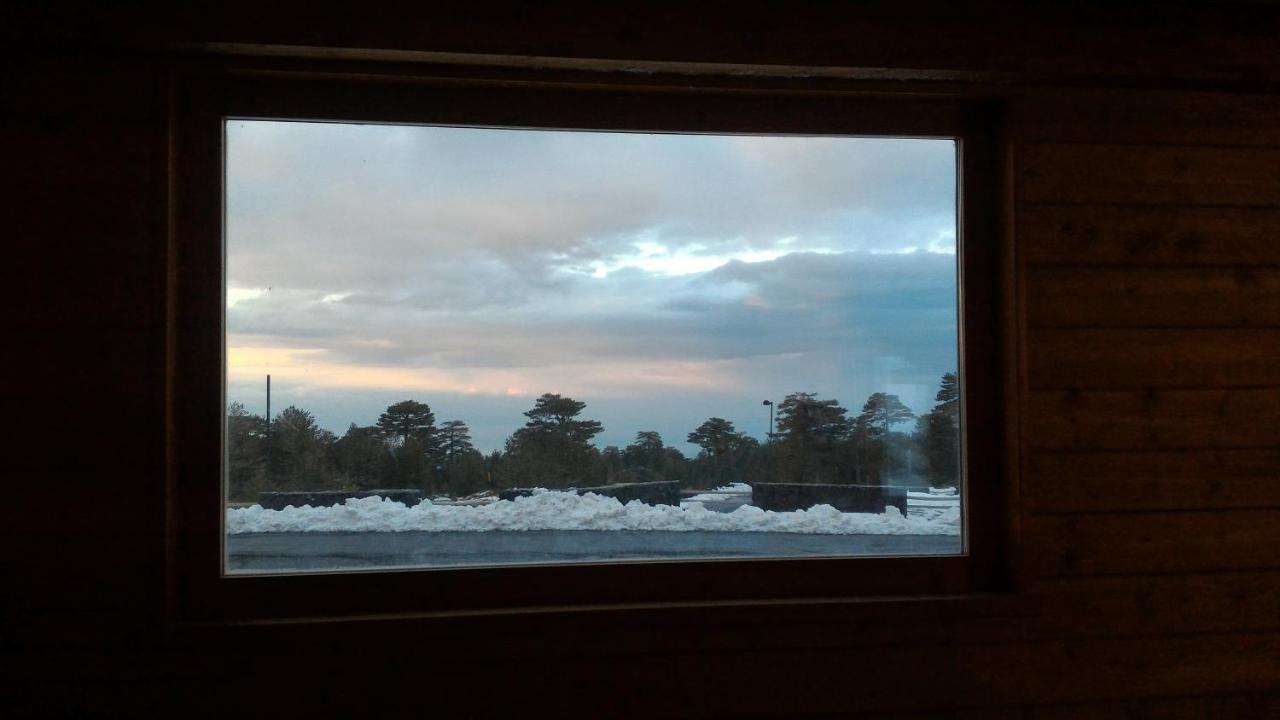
column 716, row 436
column 455, row 439
column 408, row 419
column 939, row 434
column 883, row 411
column 805, row 420
column 553, row 448
column 301, row 452
column 555, row 415
column 246, row 453
column 810, row 437
column 644, row 457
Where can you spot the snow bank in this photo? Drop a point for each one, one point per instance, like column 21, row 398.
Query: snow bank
column 935, row 504
column 549, row 510
column 721, row 493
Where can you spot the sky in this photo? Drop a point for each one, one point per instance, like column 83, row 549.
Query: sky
column 662, row 279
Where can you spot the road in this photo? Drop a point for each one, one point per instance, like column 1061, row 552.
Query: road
column 353, row 550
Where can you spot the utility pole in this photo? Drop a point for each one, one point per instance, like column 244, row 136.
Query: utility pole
column 269, row 485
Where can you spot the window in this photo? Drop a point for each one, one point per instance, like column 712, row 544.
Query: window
column 568, row 306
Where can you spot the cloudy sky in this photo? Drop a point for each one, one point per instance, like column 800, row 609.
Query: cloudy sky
column 662, row 279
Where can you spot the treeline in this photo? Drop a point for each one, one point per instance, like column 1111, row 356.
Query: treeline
column 816, row 442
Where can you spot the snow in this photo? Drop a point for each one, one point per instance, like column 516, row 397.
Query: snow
column 550, row 510
column 931, row 505
column 721, row 494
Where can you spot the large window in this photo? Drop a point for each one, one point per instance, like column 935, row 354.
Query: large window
column 503, row 346
column 555, row 332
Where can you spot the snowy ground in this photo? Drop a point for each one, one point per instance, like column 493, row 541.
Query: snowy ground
column 549, row 510
column 933, row 504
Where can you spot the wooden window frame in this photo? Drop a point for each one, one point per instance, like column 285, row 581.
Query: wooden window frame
column 199, row 591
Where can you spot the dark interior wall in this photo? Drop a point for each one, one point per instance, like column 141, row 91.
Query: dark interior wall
column 1145, row 219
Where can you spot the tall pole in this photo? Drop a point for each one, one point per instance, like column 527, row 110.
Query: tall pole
column 769, row 438
column 269, row 430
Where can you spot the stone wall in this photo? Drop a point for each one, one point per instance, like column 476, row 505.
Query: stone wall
column 325, row 498
column 845, row 498
column 666, row 492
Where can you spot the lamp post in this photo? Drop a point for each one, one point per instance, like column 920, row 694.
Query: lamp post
column 769, row 438
column 268, row 469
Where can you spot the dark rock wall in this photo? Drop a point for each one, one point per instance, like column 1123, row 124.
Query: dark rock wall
column 845, row 498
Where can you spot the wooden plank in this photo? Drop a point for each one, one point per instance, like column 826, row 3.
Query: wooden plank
column 950, row 677
column 1060, row 482
column 1125, row 606
column 1150, row 117
column 1152, row 358
column 1101, row 234
column 1012, row 713
column 1137, row 174
column 1153, row 419
column 1153, row 297
column 1167, row 542
column 1258, row 706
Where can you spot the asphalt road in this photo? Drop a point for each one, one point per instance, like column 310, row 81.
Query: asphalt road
column 354, row 550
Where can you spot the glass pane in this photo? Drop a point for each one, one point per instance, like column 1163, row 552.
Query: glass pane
column 461, row 346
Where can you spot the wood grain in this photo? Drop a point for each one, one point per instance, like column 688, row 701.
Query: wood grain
column 1187, row 603
column 1134, row 235
column 1153, row 297
column 1153, row 419
column 1149, row 117
column 1256, row 706
column 1129, row 480
column 1157, row 542
column 1150, row 175
column 1102, row 358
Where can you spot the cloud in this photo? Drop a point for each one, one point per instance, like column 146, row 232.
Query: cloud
column 676, row 274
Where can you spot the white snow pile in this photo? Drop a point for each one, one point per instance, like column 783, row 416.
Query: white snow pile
column 933, row 504
column 726, row 492
column 550, row 510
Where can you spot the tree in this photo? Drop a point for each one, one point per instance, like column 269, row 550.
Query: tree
column 806, row 420
column 810, row 433
column 948, row 397
column 246, row 453
column 727, row 455
column 408, row 419
column 363, row 458
column 555, row 414
column 938, row 434
column 716, row 436
column 877, row 451
column 644, row 457
column 881, row 412
column 301, row 452
column 553, row 448
column 455, row 439
column 410, row 425
column 464, row 468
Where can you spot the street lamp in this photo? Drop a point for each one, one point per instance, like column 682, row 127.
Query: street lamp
column 770, row 404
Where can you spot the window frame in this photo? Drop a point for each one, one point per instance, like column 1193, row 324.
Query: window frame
column 199, row 591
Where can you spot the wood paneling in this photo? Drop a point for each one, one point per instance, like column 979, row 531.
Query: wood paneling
column 1239, row 296
column 1146, row 250
column 1128, row 481
column 1151, row 117
column 1157, row 542
column 1153, row 605
column 1094, row 420
column 1102, row 358
column 1136, row 236
column 1261, row 706
column 1150, row 175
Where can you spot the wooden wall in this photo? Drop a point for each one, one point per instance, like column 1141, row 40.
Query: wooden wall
column 1146, row 230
